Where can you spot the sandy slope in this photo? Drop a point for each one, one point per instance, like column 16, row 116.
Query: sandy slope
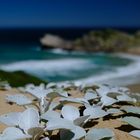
column 5, row 107
column 134, row 50
column 113, row 124
column 135, row 88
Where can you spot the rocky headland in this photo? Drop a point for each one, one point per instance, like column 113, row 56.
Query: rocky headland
column 108, row 40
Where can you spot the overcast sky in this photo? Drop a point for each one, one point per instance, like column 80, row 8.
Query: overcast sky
column 60, row 13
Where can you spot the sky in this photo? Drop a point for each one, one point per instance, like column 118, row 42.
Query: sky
column 69, row 13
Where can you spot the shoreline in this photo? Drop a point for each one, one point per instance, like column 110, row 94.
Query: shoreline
column 121, row 74
column 135, row 52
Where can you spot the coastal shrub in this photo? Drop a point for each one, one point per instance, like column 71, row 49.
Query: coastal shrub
column 108, row 40
column 56, row 112
column 19, row 78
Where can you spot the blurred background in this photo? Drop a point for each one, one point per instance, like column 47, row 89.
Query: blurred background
column 85, row 41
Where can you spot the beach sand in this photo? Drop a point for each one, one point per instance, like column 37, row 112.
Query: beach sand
column 134, row 51
column 111, row 123
column 134, row 88
column 5, row 107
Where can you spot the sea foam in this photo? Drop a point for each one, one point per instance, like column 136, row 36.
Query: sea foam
column 120, row 76
column 50, row 67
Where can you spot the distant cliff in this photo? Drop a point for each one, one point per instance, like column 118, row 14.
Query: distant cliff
column 95, row 41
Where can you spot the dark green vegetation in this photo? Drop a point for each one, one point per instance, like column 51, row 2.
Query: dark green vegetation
column 19, row 78
column 108, row 40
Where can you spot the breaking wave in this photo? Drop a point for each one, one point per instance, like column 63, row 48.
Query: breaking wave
column 76, row 68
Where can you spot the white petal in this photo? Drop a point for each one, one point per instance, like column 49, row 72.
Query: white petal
column 135, row 133
column 99, row 133
column 134, row 121
column 53, row 105
column 81, row 120
column 90, row 95
column 50, row 114
column 70, row 112
column 126, row 98
column 41, row 86
column 103, row 90
column 13, row 133
column 38, row 92
column 131, row 109
column 95, row 112
column 110, row 91
column 29, row 119
column 43, row 104
column 63, row 94
column 136, row 96
column 10, row 119
column 57, row 93
column 83, row 100
column 70, row 100
column 59, row 123
column 79, row 133
column 18, row 99
column 46, row 138
column 113, row 111
column 124, row 89
column 119, row 90
column 29, row 86
column 107, row 101
column 51, row 85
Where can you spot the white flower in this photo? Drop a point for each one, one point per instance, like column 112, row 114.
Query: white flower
column 71, row 118
column 12, row 133
column 24, row 120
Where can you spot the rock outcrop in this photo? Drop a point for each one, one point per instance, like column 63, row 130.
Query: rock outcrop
column 51, row 42
column 95, row 41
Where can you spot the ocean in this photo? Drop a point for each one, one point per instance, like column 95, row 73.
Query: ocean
column 22, row 51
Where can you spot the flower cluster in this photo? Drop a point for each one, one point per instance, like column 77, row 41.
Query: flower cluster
column 53, row 110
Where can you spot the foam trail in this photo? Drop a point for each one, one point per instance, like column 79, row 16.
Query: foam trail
column 115, row 77
column 59, row 51
column 49, row 66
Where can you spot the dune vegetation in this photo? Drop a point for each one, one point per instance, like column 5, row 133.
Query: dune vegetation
column 19, row 78
column 71, row 112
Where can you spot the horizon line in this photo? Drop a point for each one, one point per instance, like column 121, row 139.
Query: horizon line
column 70, row 27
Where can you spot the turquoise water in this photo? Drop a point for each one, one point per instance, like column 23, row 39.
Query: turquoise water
column 58, row 65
